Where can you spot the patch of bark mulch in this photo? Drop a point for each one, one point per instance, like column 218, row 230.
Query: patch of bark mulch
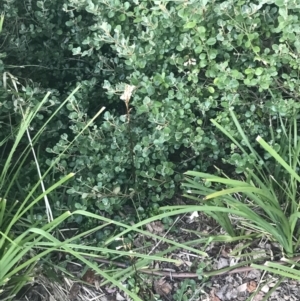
column 240, row 287
column 184, row 282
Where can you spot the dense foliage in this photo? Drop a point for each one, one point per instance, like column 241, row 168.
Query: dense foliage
column 189, row 61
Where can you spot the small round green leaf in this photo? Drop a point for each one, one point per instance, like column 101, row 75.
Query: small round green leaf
column 211, row 41
column 211, row 90
column 259, row 71
column 191, row 24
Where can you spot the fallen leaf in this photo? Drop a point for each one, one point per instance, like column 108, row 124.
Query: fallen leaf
column 222, row 263
column 162, row 287
column 89, row 276
column 242, row 288
column 251, row 286
column 265, row 288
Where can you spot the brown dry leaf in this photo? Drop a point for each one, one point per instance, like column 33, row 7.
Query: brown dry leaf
column 162, row 287
column 251, row 286
column 89, row 276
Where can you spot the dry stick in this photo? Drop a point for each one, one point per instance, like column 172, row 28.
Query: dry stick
column 182, row 275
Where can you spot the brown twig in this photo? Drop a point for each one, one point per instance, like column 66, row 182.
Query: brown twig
column 163, row 273
column 281, row 86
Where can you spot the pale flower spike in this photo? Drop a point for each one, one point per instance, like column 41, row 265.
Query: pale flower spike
column 127, row 92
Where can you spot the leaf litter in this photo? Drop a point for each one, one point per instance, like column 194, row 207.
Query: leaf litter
column 239, row 286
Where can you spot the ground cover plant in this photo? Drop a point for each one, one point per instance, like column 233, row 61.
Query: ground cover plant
column 163, row 70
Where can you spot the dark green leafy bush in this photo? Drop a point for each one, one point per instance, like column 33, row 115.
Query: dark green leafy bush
column 188, row 60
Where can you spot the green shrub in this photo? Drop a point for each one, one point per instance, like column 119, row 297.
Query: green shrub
column 189, row 61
